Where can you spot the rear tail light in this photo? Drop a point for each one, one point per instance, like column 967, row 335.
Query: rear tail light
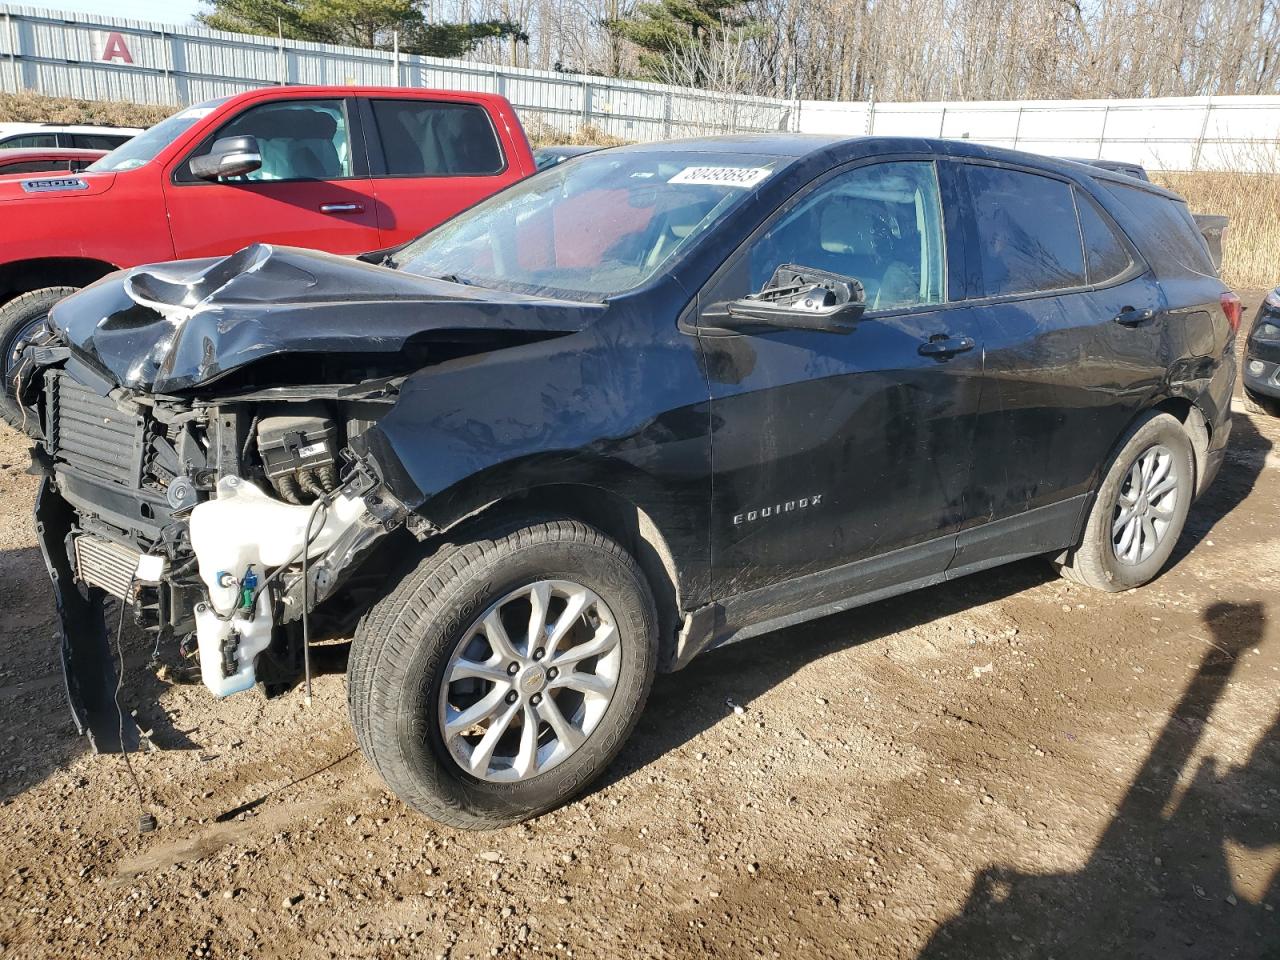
column 1232, row 307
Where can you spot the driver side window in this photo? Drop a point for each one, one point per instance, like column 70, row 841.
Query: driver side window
column 298, row 139
column 880, row 224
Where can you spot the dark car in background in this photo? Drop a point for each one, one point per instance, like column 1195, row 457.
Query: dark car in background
column 46, row 159
column 546, row 157
column 659, row 399
column 1262, row 358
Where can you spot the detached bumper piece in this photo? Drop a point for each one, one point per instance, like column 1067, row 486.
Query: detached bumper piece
column 88, row 662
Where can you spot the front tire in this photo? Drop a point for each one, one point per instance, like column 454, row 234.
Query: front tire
column 505, row 672
column 1139, row 511
column 20, row 318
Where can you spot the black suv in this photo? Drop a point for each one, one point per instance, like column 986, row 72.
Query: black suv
column 640, row 405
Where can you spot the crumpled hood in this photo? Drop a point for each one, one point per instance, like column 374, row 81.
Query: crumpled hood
column 170, row 327
column 54, row 185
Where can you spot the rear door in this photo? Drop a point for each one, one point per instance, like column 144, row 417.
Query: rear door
column 1071, row 318
column 831, row 449
column 430, row 159
column 313, row 188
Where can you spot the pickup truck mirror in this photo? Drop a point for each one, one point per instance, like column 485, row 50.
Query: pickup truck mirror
column 797, row 298
column 229, row 157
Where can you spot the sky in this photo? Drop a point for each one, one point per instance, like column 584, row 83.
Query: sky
column 162, row 11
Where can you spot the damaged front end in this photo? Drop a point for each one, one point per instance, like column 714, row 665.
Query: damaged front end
column 199, row 517
column 194, row 424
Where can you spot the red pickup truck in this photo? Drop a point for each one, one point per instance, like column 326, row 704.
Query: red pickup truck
column 342, row 169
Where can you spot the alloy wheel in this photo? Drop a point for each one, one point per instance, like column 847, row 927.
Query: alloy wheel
column 529, row 681
column 1145, row 507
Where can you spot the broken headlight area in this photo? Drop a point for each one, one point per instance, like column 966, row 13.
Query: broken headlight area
column 203, row 517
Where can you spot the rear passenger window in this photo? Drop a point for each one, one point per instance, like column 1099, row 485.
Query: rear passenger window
column 1106, row 251
column 420, row 138
column 1028, row 237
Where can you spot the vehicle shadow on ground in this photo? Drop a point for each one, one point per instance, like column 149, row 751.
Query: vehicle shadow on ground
column 39, row 737
column 1161, row 882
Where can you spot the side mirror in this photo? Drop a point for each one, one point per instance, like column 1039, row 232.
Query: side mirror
column 796, row 298
column 748, row 314
column 229, row 157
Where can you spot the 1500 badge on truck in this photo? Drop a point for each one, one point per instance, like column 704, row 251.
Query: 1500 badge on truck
column 341, row 169
column 642, row 404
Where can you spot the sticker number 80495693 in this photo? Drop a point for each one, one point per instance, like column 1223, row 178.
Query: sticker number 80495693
column 722, row 176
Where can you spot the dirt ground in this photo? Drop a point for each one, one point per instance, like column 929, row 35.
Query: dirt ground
column 1006, row 766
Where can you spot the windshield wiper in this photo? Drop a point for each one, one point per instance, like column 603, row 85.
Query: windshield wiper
column 454, row 278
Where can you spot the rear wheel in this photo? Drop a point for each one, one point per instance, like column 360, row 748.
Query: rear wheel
column 20, row 319
column 504, row 673
column 1140, row 509
column 1256, row 403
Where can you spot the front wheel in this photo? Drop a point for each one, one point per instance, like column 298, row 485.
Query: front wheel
column 1141, row 506
column 505, row 672
column 20, row 319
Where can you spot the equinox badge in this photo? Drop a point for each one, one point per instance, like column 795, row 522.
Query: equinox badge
column 788, row 506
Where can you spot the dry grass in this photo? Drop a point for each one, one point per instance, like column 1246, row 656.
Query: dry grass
column 1251, row 244
column 543, row 134
column 33, row 108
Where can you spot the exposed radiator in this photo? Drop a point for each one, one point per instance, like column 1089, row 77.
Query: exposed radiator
column 101, row 563
column 87, row 432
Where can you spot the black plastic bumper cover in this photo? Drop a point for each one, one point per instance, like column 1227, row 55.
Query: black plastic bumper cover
column 88, row 665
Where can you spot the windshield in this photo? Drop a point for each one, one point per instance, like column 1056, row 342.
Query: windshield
column 144, row 147
column 589, row 228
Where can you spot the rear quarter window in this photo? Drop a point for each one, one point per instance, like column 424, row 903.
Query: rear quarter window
column 1163, row 230
column 1106, row 251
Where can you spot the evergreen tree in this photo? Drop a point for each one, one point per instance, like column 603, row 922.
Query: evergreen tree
column 357, row 23
column 663, row 27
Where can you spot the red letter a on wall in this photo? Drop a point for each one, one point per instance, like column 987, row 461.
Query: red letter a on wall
column 116, row 47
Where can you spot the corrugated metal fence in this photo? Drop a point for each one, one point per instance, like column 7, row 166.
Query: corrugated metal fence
column 103, row 58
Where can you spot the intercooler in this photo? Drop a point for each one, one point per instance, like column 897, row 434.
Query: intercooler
column 101, row 563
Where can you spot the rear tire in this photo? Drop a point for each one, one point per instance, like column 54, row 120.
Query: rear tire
column 1259, row 405
column 406, row 700
column 19, row 319
column 1139, row 511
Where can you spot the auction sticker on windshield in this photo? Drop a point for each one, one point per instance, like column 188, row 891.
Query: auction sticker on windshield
column 722, row 176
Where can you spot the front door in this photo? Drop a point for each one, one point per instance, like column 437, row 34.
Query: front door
column 843, row 456
column 312, row 190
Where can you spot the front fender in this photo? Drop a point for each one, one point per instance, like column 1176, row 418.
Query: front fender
column 617, row 411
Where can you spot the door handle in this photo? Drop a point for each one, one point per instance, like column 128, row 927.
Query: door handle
column 1132, row 316
column 342, row 208
column 941, row 346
